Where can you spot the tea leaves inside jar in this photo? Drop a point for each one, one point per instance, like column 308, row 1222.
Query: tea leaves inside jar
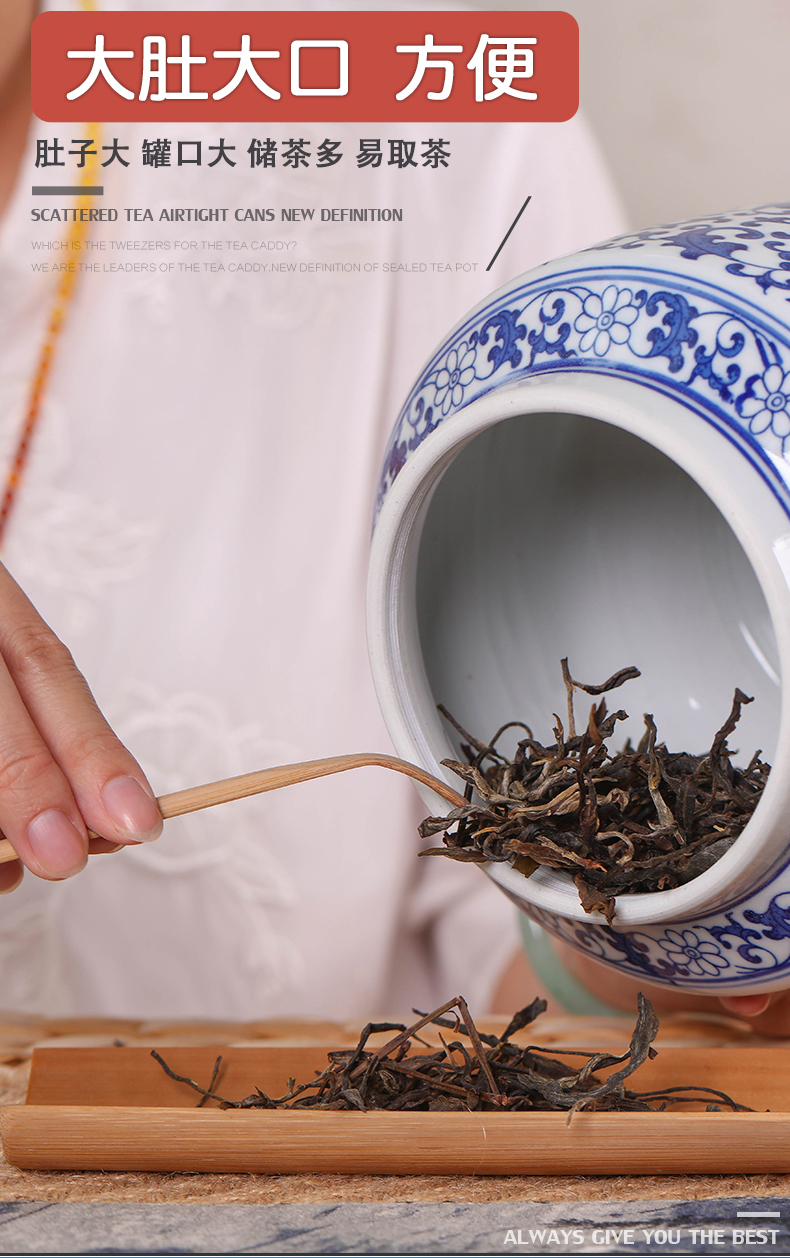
column 637, row 820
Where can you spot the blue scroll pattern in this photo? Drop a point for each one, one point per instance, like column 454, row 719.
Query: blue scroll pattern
column 701, row 346
column 762, row 234
column 730, row 947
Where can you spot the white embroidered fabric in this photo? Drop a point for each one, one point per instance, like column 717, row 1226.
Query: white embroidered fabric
column 194, row 523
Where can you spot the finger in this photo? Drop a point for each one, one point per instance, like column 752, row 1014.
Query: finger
column 38, row 812
column 98, row 846
column 111, row 791
column 10, row 876
column 746, row 1006
column 767, row 1015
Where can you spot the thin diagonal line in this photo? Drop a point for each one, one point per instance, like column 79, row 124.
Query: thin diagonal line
column 507, row 234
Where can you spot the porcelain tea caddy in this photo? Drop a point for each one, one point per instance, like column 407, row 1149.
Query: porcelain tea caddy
column 594, row 464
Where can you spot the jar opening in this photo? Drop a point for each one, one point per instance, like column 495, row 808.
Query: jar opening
column 554, row 535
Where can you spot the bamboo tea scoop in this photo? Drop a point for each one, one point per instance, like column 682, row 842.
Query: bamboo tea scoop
column 197, row 797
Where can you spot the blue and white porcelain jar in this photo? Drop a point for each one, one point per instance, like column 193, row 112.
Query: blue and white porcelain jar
column 595, row 464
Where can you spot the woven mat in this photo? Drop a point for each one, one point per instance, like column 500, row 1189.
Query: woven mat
column 20, row 1035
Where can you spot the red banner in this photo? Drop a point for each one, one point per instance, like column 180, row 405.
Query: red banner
column 303, row 66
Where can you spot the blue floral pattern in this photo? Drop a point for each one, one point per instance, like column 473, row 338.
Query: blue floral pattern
column 686, row 950
column 716, row 952
column 605, row 319
column 767, row 407
column 685, row 332
column 452, row 378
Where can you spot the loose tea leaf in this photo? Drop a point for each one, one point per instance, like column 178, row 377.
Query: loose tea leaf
column 491, row 1073
column 635, row 820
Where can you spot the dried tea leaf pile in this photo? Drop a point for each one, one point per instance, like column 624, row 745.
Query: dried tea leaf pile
column 636, row 820
column 490, row 1073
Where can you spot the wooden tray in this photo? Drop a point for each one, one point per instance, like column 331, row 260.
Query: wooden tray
column 114, row 1109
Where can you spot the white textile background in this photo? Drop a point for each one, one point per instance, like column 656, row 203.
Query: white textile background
column 195, row 522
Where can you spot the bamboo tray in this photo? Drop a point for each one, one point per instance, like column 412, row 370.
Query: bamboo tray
column 114, row 1109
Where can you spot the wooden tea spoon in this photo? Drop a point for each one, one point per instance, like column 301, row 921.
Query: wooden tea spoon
column 197, row 797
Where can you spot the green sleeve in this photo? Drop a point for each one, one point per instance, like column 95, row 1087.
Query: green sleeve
column 558, row 981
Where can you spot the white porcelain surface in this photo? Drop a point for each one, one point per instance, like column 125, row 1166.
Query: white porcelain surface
column 593, row 465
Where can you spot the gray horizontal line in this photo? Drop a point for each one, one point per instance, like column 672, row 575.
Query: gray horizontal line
column 759, row 1214
column 66, row 190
